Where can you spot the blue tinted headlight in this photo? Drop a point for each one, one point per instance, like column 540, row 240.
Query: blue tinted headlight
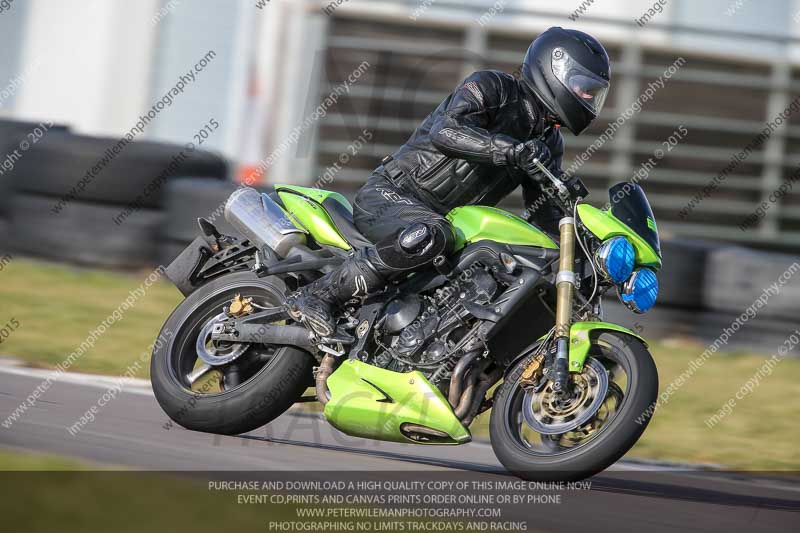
column 640, row 292
column 615, row 259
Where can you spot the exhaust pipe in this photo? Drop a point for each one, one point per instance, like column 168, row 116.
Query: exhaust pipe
column 262, row 221
column 485, row 382
column 457, row 378
column 326, row 368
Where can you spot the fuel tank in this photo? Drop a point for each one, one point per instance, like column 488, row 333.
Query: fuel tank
column 473, row 223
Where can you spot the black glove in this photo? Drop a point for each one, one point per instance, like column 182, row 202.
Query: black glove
column 522, row 155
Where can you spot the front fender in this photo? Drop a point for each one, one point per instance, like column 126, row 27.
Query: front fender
column 581, row 335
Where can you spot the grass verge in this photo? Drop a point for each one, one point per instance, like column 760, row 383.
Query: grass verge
column 57, row 306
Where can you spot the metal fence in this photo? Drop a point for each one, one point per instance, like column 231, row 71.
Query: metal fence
column 722, row 103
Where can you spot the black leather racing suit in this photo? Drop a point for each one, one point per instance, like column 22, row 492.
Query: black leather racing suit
column 457, row 156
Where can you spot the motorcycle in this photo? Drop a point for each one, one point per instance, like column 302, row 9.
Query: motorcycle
column 511, row 321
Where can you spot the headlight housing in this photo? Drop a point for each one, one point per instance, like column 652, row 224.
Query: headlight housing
column 639, row 293
column 615, row 259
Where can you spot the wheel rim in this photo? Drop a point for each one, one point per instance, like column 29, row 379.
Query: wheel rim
column 608, row 366
column 215, row 353
column 233, row 365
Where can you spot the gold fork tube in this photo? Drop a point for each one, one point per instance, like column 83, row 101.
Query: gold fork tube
column 565, row 282
column 565, row 287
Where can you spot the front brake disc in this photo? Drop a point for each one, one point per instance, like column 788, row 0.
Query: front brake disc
column 547, row 413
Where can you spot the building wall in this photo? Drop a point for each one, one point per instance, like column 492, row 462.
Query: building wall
column 12, row 32
column 724, row 98
column 98, row 65
column 187, row 35
column 89, row 62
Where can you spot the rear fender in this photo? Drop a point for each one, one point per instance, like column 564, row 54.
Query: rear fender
column 183, row 270
column 198, row 264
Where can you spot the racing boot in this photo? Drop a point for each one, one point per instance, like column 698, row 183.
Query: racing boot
column 316, row 304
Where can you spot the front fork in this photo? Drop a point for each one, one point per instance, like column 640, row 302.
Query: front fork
column 565, row 287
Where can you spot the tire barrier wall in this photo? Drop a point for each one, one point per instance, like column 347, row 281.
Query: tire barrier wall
column 90, row 200
column 707, row 289
column 186, row 200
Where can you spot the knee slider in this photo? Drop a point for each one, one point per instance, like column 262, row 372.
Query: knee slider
column 413, row 247
column 415, row 238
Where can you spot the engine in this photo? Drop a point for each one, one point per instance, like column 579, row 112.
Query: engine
column 420, row 332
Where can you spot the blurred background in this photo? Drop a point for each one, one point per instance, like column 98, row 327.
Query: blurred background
column 107, row 95
column 719, row 70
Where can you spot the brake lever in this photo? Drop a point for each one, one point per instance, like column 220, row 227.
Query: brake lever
column 562, row 189
column 567, row 190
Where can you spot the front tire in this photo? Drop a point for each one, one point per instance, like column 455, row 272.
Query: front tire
column 261, row 396
column 551, row 457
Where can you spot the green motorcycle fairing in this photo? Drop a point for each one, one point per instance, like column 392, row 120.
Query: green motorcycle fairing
column 304, row 204
column 475, row 223
column 604, row 225
column 371, row 402
column 581, row 335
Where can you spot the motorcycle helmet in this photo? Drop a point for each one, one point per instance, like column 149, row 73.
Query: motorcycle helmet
column 569, row 71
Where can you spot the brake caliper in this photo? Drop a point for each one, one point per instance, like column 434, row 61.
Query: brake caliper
column 532, row 372
column 240, row 307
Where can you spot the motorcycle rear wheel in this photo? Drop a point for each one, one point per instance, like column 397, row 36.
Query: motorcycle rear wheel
column 267, row 379
column 597, row 444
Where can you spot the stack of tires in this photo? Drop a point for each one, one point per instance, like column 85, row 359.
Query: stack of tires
column 188, row 199
column 683, row 275
column 14, row 143
column 98, row 201
column 7, row 137
column 739, row 277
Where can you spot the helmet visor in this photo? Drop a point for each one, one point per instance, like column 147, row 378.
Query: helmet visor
column 589, row 88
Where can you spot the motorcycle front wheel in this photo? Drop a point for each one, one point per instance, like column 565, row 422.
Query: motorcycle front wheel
column 541, row 436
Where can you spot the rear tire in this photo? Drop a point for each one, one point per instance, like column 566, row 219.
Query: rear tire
column 254, row 403
column 600, row 452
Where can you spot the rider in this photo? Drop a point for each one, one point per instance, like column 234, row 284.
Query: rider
column 475, row 148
